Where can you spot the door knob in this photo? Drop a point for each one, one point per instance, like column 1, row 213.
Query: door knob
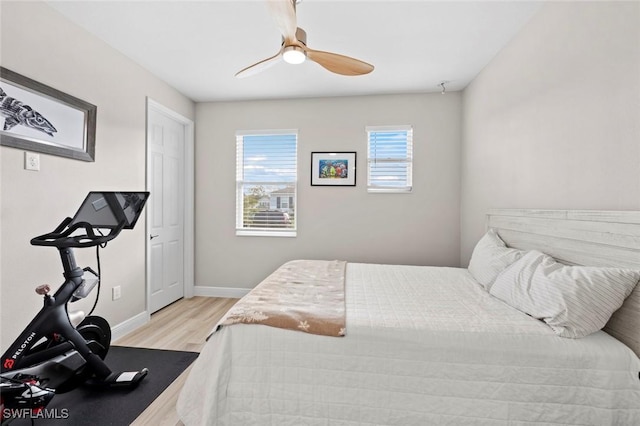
column 151, row 237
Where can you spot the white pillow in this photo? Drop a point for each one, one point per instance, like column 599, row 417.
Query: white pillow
column 574, row 301
column 490, row 256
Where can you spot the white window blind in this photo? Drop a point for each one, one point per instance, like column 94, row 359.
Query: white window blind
column 266, row 182
column 390, row 158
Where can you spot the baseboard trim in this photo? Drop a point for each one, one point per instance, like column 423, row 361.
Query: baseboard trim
column 230, row 292
column 126, row 327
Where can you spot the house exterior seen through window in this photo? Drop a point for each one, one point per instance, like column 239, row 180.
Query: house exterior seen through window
column 389, row 158
column 266, row 182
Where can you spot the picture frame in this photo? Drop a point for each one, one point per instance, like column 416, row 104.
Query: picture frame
column 333, row 168
column 39, row 118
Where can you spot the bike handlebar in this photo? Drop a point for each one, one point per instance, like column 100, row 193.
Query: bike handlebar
column 61, row 237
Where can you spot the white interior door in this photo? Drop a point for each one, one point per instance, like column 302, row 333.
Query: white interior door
column 166, row 145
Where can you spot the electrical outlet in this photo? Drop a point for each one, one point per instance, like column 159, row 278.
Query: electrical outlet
column 116, row 292
column 31, row 161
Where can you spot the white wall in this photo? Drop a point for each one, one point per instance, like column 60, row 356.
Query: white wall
column 554, row 120
column 333, row 222
column 41, row 44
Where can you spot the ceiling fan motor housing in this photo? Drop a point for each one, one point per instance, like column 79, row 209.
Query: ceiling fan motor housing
column 293, row 53
column 301, row 36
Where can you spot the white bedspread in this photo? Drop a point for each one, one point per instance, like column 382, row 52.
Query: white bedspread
column 424, row 346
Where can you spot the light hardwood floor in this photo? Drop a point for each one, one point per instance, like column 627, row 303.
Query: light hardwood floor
column 181, row 326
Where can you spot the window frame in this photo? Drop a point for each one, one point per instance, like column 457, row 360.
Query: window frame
column 408, row 187
column 241, row 230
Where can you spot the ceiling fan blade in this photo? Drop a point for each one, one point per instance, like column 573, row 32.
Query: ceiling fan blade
column 260, row 66
column 283, row 13
column 339, row 64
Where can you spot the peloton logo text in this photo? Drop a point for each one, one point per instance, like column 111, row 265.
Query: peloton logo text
column 23, row 346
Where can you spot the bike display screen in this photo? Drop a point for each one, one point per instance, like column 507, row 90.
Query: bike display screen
column 109, row 209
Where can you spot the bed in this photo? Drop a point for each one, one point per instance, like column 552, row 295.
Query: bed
column 431, row 346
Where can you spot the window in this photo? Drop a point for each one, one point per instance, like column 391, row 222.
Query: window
column 389, row 158
column 266, row 182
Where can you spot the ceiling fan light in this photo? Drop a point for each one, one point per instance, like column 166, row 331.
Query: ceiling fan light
column 294, row 55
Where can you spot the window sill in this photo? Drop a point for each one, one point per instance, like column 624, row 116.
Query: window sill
column 389, row 190
column 257, row 233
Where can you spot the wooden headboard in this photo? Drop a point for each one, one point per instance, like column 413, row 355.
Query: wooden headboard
column 582, row 237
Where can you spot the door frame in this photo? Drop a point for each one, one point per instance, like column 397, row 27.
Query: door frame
column 189, row 201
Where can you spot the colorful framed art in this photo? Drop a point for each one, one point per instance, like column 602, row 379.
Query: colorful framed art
column 333, row 169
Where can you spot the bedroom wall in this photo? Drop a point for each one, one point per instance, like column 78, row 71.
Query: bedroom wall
column 333, row 222
column 554, row 120
column 41, row 44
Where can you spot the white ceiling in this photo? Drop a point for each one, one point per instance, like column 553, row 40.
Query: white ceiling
column 198, row 46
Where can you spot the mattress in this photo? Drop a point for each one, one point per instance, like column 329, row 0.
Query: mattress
column 423, row 346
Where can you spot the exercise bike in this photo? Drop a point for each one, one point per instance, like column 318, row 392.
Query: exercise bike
column 59, row 350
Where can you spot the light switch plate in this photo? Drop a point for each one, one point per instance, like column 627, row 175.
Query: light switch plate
column 31, row 161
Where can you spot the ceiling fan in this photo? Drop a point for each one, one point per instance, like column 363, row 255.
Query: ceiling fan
column 294, row 48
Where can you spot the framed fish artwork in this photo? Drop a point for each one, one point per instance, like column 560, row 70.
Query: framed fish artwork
column 333, row 169
column 39, row 118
